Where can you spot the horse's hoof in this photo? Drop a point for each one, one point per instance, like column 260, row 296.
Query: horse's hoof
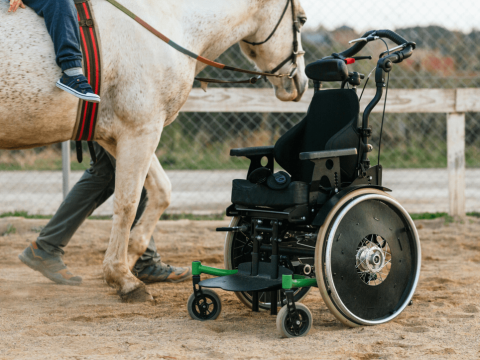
column 140, row 294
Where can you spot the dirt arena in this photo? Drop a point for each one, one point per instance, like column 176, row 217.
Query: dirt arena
column 42, row 320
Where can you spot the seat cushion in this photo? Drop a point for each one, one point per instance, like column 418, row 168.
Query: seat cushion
column 247, row 194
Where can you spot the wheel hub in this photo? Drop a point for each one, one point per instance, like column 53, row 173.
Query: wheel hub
column 371, row 259
column 373, row 256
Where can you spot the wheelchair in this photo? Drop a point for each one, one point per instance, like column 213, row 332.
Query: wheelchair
column 323, row 221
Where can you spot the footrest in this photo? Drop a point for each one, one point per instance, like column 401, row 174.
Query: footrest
column 244, row 281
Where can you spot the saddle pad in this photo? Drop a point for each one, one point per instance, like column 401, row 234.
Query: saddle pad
column 87, row 112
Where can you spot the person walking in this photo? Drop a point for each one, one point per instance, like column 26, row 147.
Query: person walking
column 95, row 186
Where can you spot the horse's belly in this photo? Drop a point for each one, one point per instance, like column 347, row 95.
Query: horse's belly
column 33, row 111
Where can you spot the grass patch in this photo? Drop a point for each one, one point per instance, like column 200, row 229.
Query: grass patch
column 183, row 216
column 10, row 230
column 192, row 217
column 25, row 215
column 430, row 216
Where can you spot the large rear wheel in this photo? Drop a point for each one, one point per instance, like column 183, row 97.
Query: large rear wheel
column 367, row 258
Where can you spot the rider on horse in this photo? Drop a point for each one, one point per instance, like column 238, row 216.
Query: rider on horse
column 62, row 25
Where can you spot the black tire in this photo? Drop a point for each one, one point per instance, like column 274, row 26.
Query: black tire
column 231, row 263
column 284, row 325
column 368, row 258
column 212, row 303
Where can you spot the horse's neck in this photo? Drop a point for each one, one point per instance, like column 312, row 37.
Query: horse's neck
column 207, row 27
column 211, row 27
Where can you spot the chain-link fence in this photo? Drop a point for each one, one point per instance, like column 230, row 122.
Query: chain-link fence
column 195, row 148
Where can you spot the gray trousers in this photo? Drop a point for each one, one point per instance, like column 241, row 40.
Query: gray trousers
column 95, row 186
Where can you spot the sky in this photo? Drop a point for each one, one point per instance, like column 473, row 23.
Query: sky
column 463, row 15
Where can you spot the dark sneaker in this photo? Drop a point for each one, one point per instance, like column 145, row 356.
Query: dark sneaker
column 161, row 272
column 78, row 86
column 50, row 266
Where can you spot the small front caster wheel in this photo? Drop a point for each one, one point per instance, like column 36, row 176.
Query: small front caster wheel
column 285, row 326
column 206, row 307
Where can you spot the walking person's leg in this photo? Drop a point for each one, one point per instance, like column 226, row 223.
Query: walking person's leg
column 95, row 186
column 92, row 190
column 149, row 267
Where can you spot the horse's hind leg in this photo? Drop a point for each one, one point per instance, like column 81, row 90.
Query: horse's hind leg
column 133, row 154
column 158, row 198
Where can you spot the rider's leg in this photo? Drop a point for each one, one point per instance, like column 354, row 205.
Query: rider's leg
column 62, row 25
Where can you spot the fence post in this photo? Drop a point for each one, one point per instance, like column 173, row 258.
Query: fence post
column 65, row 168
column 456, row 163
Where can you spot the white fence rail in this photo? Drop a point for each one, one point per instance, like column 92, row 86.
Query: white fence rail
column 452, row 102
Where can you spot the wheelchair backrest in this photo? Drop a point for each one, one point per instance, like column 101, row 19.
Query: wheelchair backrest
column 331, row 123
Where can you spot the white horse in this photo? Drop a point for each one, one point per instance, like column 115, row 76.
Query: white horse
column 146, row 82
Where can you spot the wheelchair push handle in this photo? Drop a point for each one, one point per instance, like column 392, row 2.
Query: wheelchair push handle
column 373, row 35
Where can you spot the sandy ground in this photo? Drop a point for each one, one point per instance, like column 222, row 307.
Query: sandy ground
column 42, row 320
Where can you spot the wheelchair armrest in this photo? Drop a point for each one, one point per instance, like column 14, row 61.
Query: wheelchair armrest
column 252, row 151
column 315, row 155
column 255, row 154
column 327, row 164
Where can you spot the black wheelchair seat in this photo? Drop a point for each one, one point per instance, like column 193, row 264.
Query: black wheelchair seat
column 331, row 123
column 248, row 194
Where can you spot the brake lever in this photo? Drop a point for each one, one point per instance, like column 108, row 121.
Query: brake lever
column 366, row 39
column 389, row 51
column 362, row 58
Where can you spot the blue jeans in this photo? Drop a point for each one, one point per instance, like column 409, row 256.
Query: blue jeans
column 92, row 190
column 62, row 25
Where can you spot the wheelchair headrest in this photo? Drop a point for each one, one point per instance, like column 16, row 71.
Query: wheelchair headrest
column 327, row 70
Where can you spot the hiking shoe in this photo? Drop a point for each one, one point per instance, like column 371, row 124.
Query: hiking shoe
column 160, row 272
column 78, row 86
column 50, row 266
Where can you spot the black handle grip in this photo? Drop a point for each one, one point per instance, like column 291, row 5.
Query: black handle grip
column 399, row 56
column 389, row 34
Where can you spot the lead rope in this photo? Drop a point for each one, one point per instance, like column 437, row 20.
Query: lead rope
column 201, row 58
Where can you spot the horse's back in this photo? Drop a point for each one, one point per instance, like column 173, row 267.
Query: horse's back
column 32, row 108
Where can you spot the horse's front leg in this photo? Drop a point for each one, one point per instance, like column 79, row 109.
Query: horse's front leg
column 159, row 191
column 133, row 154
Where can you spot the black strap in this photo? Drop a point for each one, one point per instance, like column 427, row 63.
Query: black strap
column 252, row 80
column 78, row 146
column 91, row 149
column 275, row 29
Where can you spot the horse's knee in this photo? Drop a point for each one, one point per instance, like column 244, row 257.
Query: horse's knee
column 161, row 196
column 137, row 246
column 166, row 198
column 125, row 211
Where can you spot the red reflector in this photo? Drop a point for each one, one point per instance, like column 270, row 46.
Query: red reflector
column 349, row 61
